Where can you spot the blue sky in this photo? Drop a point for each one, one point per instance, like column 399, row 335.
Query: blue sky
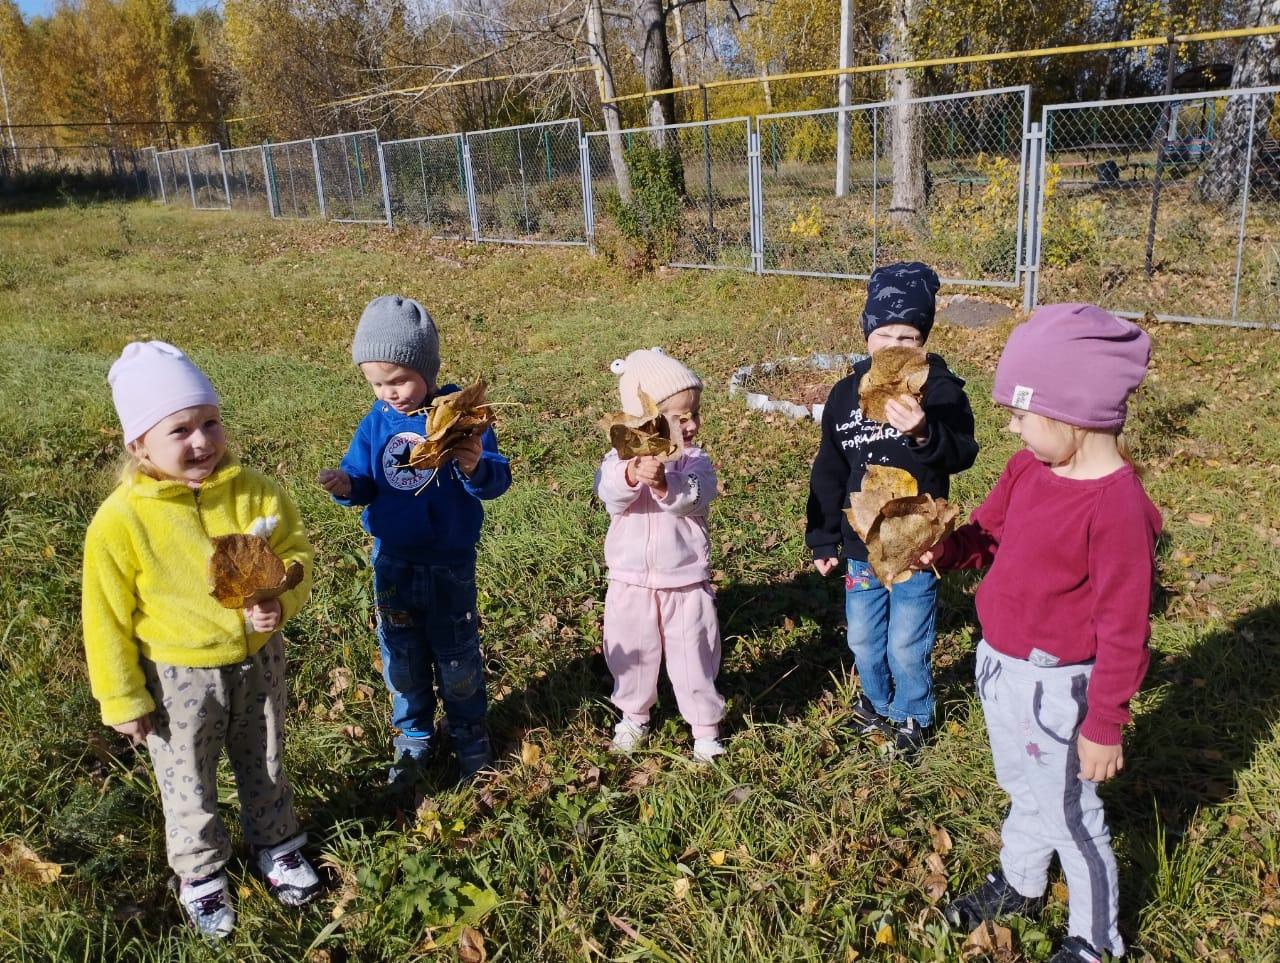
column 41, row 8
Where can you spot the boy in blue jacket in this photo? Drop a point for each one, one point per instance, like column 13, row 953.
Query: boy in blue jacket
column 425, row 524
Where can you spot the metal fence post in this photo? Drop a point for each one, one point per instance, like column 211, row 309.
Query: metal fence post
column 469, row 176
column 755, row 195
column 315, row 159
column 226, row 184
column 267, row 181
column 164, row 197
column 191, row 184
column 588, row 196
column 386, row 187
column 1035, row 214
column 1244, row 206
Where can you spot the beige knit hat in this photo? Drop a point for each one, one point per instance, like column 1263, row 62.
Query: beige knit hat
column 654, row 373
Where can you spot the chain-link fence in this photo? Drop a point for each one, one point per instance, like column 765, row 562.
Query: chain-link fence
column 208, row 177
column 349, row 173
column 247, row 179
column 1163, row 204
column 527, row 183
column 706, row 162
column 935, row 179
column 175, row 181
column 292, row 179
column 427, row 184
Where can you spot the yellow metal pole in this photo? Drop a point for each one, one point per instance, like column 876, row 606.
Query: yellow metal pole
column 969, row 59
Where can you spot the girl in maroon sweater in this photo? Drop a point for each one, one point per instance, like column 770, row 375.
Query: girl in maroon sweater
column 1069, row 535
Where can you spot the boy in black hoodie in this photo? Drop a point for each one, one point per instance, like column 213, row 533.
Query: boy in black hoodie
column 891, row 635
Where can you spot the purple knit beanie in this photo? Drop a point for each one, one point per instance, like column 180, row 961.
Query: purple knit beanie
column 1074, row 363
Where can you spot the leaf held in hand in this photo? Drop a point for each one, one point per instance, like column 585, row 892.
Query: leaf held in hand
column 894, row 372
column 244, row 571
column 634, row 435
column 451, row 419
column 895, row 523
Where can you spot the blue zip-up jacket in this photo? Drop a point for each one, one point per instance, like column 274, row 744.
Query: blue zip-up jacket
column 436, row 523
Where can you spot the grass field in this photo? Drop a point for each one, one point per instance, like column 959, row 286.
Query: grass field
column 803, row 844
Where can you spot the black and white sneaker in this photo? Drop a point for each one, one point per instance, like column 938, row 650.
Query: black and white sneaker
column 207, row 904
column 994, row 898
column 865, row 721
column 1076, row 950
column 291, row 879
column 909, row 738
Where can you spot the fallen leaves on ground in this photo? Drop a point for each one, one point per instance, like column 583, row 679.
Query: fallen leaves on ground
column 895, row 523
column 894, row 372
column 471, row 946
column 634, row 435
column 244, row 571
column 990, row 939
column 18, row 860
column 451, row 419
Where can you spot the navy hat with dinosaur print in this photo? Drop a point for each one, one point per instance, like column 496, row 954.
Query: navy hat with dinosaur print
column 901, row 293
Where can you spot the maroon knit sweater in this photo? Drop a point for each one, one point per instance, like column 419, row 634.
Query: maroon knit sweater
column 1072, row 568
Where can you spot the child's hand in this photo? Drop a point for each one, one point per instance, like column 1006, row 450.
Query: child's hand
column 1099, row 762
column 137, row 730
column 650, row 471
column 335, row 481
column 826, row 566
column 905, row 414
column 467, row 454
column 265, row 616
column 928, row 557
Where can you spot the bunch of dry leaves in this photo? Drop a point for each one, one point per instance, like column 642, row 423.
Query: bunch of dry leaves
column 648, row 434
column 245, row 571
column 451, row 419
column 896, row 523
column 894, row 372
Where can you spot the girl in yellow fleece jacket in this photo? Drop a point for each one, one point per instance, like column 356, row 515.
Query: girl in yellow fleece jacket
column 167, row 663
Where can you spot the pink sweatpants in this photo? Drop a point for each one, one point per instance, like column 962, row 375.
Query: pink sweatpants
column 640, row 624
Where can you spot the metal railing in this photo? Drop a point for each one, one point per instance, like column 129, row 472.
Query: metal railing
column 1168, row 205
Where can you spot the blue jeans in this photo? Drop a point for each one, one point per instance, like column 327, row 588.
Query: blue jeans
column 891, row 635
column 429, row 634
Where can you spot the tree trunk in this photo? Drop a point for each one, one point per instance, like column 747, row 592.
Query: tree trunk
column 612, row 119
column 1257, row 65
column 905, row 137
column 655, row 63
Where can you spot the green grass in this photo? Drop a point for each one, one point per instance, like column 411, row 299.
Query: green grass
column 802, row 844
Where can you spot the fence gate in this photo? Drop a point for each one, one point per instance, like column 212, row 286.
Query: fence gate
column 715, row 217
column 527, row 183
column 349, row 175
column 934, row 179
column 1169, row 205
column 427, row 184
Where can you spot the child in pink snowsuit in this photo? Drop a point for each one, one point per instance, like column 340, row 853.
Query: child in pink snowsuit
column 657, row 550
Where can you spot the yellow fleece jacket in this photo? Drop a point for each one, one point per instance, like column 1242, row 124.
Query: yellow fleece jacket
column 146, row 591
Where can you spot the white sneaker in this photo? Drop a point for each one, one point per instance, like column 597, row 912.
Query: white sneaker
column 706, row 750
column 628, row 736
column 287, row 872
column 208, row 906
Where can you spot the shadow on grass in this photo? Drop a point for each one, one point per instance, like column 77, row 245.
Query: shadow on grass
column 1218, row 702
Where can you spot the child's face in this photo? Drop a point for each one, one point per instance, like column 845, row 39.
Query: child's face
column 402, row 388
column 893, row 336
column 186, row 446
column 684, row 411
column 1052, row 442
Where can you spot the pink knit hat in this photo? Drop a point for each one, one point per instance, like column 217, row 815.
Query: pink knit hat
column 1074, row 363
column 150, row 381
column 654, row 373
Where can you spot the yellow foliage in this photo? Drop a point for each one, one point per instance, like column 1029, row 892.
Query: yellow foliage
column 807, row 223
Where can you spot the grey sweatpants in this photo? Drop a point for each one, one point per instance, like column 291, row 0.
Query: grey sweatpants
column 1033, row 717
column 199, row 712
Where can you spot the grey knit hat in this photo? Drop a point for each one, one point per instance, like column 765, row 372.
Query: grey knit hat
column 398, row 330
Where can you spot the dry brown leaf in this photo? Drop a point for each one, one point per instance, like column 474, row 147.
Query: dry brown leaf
column 530, row 753
column 897, row 530
column 933, row 862
column 879, row 486
column 471, row 946
column 1200, row 519
column 244, row 571
column 935, row 887
column 990, row 938
column 894, row 372
column 451, row 419
column 18, row 860
column 648, row 434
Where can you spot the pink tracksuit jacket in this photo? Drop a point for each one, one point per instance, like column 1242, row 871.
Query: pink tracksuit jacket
column 659, row 598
